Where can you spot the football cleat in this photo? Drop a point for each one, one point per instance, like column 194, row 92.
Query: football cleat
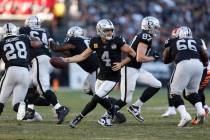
column 75, row 121
column 185, row 120
column 29, row 114
column 170, row 112
column 37, row 117
column 62, row 112
column 105, row 121
column 199, row 119
column 135, row 111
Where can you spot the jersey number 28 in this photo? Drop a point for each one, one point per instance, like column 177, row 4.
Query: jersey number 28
column 11, row 52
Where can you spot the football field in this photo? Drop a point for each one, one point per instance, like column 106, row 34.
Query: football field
column 154, row 127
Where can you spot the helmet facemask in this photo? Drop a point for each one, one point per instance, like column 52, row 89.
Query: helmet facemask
column 9, row 29
column 185, row 32
column 151, row 24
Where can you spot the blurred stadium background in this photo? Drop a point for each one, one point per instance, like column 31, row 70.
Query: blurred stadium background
column 59, row 15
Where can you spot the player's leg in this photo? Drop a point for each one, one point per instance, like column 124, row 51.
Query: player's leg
column 102, row 89
column 171, row 109
column 89, row 84
column 20, row 91
column 127, row 85
column 147, row 78
column 204, row 83
column 192, row 90
column 44, row 69
column 6, row 86
column 181, row 78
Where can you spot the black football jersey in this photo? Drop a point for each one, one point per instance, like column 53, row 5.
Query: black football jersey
column 91, row 63
column 143, row 37
column 40, row 33
column 184, row 49
column 108, row 54
column 14, row 51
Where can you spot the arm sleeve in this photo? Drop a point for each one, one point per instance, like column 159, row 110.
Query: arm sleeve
column 93, row 46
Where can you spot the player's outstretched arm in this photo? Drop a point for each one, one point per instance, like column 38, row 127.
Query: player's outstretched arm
column 78, row 58
column 60, row 47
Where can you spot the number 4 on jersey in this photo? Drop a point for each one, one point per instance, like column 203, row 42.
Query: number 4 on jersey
column 106, row 59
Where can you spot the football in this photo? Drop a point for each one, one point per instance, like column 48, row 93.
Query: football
column 58, row 62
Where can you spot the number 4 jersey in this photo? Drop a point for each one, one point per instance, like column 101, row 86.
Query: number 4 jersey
column 14, row 50
column 184, row 49
column 108, row 54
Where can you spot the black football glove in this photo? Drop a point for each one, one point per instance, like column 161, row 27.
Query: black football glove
column 156, row 55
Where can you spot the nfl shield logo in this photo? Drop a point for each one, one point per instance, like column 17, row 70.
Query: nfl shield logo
column 113, row 46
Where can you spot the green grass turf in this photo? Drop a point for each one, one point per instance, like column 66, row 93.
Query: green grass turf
column 154, row 127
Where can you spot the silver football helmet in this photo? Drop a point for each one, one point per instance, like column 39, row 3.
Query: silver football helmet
column 185, row 32
column 104, row 25
column 75, row 31
column 1, row 33
column 150, row 24
column 9, row 29
column 175, row 33
column 33, row 22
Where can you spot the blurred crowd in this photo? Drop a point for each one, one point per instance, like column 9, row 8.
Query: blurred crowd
column 127, row 14
column 23, row 7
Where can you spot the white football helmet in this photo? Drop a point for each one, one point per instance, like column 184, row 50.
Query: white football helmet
column 33, row 22
column 75, row 31
column 9, row 29
column 185, row 32
column 102, row 26
column 150, row 24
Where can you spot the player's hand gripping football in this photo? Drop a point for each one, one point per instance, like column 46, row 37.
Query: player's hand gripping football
column 58, row 62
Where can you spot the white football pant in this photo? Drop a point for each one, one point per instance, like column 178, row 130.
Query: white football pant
column 40, row 73
column 187, row 75
column 103, row 88
column 89, row 84
column 129, row 77
column 15, row 81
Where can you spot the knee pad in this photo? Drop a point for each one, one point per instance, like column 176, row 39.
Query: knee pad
column 15, row 107
column 1, row 108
